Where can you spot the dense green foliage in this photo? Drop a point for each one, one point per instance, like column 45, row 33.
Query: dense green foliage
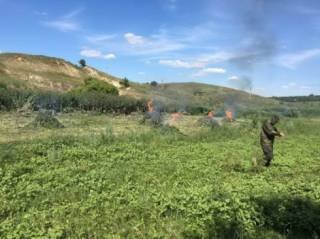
column 92, row 85
column 92, row 97
column 87, row 101
column 125, row 82
column 162, row 185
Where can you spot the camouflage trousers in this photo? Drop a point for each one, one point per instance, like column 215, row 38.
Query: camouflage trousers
column 268, row 153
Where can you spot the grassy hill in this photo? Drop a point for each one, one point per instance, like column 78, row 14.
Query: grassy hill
column 45, row 73
column 54, row 74
column 191, row 93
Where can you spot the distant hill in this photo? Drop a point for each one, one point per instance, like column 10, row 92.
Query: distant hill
column 310, row 98
column 54, row 74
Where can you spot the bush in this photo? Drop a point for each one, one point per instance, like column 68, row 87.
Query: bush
column 96, row 86
column 47, row 100
column 154, row 83
column 292, row 113
column 3, row 86
column 107, row 103
column 46, row 119
column 6, row 99
column 125, row 82
column 196, row 110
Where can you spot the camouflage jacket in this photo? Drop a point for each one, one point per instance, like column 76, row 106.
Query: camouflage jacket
column 268, row 133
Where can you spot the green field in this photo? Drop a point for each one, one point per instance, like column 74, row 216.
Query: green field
column 105, row 176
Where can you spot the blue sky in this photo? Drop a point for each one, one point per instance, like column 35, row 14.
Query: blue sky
column 270, row 47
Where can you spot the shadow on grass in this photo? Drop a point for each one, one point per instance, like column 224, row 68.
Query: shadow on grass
column 280, row 218
column 293, row 217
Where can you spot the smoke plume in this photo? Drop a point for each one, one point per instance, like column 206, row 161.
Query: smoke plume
column 242, row 83
column 260, row 43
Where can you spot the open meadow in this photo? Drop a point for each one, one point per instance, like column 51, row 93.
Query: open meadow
column 110, row 176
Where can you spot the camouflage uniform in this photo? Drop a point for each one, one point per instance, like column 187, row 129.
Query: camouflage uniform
column 267, row 136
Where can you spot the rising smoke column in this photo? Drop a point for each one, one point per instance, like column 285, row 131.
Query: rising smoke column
column 260, row 43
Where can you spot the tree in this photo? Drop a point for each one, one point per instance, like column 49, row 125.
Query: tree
column 153, row 83
column 82, row 63
column 125, row 82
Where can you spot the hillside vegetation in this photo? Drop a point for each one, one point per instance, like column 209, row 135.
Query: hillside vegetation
column 46, row 73
column 53, row 74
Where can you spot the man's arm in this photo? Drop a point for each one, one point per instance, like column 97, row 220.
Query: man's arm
column 280, row 134
column 270, row 129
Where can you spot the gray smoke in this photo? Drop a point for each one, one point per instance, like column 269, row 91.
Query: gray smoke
column 260, row 44
column 242, row 83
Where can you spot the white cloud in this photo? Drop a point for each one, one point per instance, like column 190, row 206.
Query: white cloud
column 163, row 41
column 214, row 70
column 201, row 61
column 293, row 60
column 109, row 56
column 234, row 78
column 63, row 25
column 217, row 57
column 91, row 53
column 66, row 23
column 134, row 39
column 101, row 38
column 203, row 70
column 208, row 71
column 181, row 64
column 155, row 44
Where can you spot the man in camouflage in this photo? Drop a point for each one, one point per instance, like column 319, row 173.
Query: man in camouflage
column 267, row 136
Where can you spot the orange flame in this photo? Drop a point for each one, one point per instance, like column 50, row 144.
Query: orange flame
column 175, row 116
column 210, row 114
column 229, row 115
column 150, row 106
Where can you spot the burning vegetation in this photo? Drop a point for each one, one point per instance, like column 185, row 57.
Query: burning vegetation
column 229, row 115
column 210, row 114
column 155, row 116
column 174, row 117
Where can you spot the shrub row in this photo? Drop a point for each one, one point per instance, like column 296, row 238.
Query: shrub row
column 88, row 101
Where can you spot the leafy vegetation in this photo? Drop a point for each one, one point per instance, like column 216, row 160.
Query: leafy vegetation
column 94, row 95
column 46, row 119
column 92, row 85
column 162, row 185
